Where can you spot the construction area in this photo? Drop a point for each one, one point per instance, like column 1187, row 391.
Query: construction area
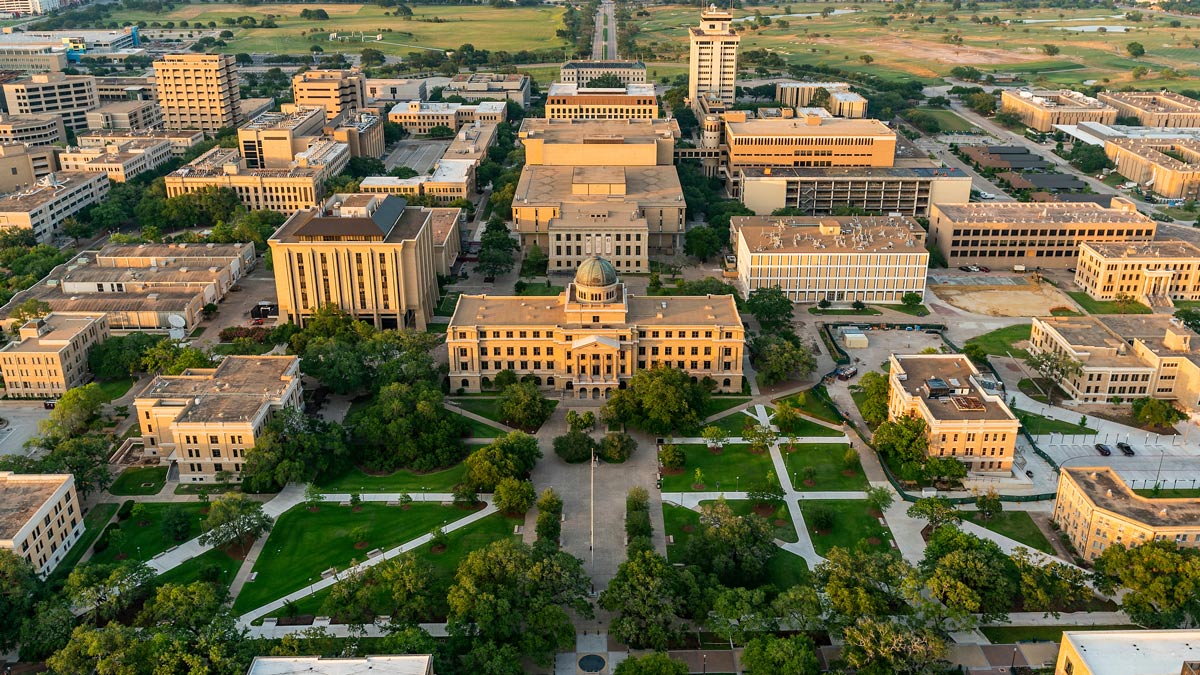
column 1002, row 296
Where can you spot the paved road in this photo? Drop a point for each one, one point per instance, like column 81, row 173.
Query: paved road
column 605, row 49
column 978, row 182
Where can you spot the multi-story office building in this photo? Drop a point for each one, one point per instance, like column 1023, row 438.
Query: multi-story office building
column 181, row 141
column 338, row 91
column 369, row 254
column 1120, row 652
column 419, row 117
column 712, row 66
column 472, row 142
column 40, row 518
column 123, row 88
column 489, row 87
column 576, row 102
column 1041, row 110
column 32, row 58
column 1154, row 108
column 56, row 197
column 395, row 90
column 451, row 180
column 447, row 239
column 198, row 91
column 231, row 260
column 963, row 420
column 1154, row 273
column 1168, row 166
column 70, row 96
column 583, row 72
column 834, row 97
column 119, row 161
column 77, row 43
column 599, row 142
column 362, row 132
column 271, row 140
column 32, row 129
column 1096, row 509
column 592, row 338
column 300, row 186
column 870, row 259
column 133, row 115
column 907, row 191
column 21, row 165
column 1042, row 234
column 205, row 419
column 50, row 355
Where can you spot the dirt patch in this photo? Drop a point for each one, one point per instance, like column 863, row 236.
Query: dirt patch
column 688, row 528
column 764, row 510
column 1024, row 301
column 698, row 486
column 1121, row 414
column 874, row 541
column 672, row 472
column 808, row 482
column 945, row 53
column 780, row 522
column 849, row 472
column 716, row 449
column 437, row 548
column 360, row 545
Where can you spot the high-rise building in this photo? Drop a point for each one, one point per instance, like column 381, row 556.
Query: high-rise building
column 712, row 69
column 198, row 91
column 71, row 96
column 338, row 90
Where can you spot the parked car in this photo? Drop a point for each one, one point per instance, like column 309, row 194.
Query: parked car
column 965, row 268
column 1103, row 449
column 1029, row 473
column 257, row 322
column 49, row 404
column 986, row 195
column 984, row 268
column 1126, row 449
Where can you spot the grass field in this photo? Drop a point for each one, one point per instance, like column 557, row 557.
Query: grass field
column 1037, row 425
column 814, row 403
column 1106, row 307
column 783, row 528
column 400, row 481
column 189, row 571
column 480, row 429
column 1180, row 493
column 852, row 524
column 784, row 570
column 484, row 407
column 115, row 389
column 143, row 542
column 732, row 424
column 93, row 524
column 1011, row 634
column 717, row 404
column 1015, row 525
column 826, row 460
column 735, row 467
column 139, row 480
column 949, row 121
column 1000, row 341
column 676, row 521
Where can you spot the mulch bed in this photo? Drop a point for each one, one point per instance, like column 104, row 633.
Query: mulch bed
column 437, row 548
column 764, row 510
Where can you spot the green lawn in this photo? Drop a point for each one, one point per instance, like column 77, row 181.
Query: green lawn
column 1186, row 304
column 786, row 569
column 1000, row 341
column 484, row 407
column 400, row 481
column 851, row 525
column 827, row 460
column 540, row 290
column 808, row 428
column 734, row 467
column 917, row 310
column 143, row 542
column 949, row 122
column 718, row 404
column 447, row 304
column 1173, row 493
column 1016, row 525
column 207, row 488
column 436, row 327
column 479, row 429
column 1037, row 425
column 1011, row 634
column 303, row 544
column 256, row 348
column 732, row 424
column 139, row 480
column 866, row 311
column 189, row 571
column 1106, row 307
column 677, row 521
column 815, row 402
column 115, row 389
column 783, row 528
column 93, row 524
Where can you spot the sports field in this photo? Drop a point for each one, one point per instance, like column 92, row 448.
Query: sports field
column 905, row 45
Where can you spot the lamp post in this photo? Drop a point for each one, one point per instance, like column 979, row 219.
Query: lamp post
column 1013, row 664
column 737, row 487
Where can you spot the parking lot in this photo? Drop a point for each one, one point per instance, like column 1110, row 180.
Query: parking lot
column 1165, row 459
column 977, row 279
column 23, row 418
column 234, row 310
column 417, row 155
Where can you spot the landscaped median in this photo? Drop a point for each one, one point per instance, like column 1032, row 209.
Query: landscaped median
column 784, row 570
column 1016, row 525
column 732, row 468
column 846, row 523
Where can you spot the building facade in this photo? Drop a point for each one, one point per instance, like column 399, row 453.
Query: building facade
column 576, row 102
column 583, row 72
column 1041, row 110
column 1119, row 652
column 420, row 117
column 490, row 87
column 338, row 91
column 816, row 192
column 1043, row 234
column 32, row 58
column 963, row 420
column 181, row 141
column 300, row 186
column 198, row 91
column 1154, row 273
column 50, row 355
column 395, row 90
column 1154, row 108
column 205, row 419
column 69, row 96
column 119, row 161
column 1170, row 167
column 43, row 207
column 834, row 97
column 40, row 518
column 133, row 115
column 317, row 665
column 592, row 338
column 712, row 63
column 451, row 180
column 873, row 260
column 32, row 129
column 21, row 165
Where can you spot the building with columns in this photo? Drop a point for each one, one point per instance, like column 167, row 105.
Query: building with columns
column 712, row 65
column 1154, row 273
column 592, row 338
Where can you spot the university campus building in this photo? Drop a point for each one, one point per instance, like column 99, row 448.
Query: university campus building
column 712, row 65
column 119, row 161
column 299, row 185
column 1170, row 167
column 44, row 206
column 50, row 355
column 198, row 91
column 489, row 87
column 69, row 96
column 32, row 129
column 1120, row 652
column 419, row 117
column 337, row 91
column 592, row 338
column 840, row 101
column 1042, row 109
column 582, row 72
column 577, row 102
column 820, row 191
column 1154, row 273
column 963, row 420
column 40, row 518
column 1154, row 108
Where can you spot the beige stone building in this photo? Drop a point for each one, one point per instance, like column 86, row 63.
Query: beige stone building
column 1095, row 509
column 125, row 88
column 1041, row 234
column 235, row 260
column 583, row 72
column 1041, row 110
column 119, row 161
column 1154, row 108
column 396, row 90
column 32, row 129
column 181, row 141
column 40, row 518
column 21, row 165
column 32, row 58
column 599, row 142
column 419, row 117
column 198, row 91
column 472, row 142
column 712, row 63
column 447, row 239
column 1169, row 167
column 50, row 355
column 875, row 260
column 317, row 665
column 591, row 339
column 619, row 233
column 338, row 91
column 964, row 421
column 369, row 254
column 1120, row 652
column 839, row 100
column 451, row 180
column 44, row 206
column 576, row 102
column 489, row 87
column 205, row 419
column 301, row 185
column 362, row 132
column 70, row 96
column 133, row 115
column 1154, row 273
column 271, row 140
column 820, row 191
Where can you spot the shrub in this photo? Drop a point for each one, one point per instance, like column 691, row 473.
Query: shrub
column 822, row 518
column 637, row 524
column 126, row 510
column 671, row 457
column 210, row 573
column 574, row 447
column 617, row 447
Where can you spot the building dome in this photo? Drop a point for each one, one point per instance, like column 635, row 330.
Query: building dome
column 595, row 272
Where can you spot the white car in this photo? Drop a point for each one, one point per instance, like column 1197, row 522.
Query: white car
column 986, row 195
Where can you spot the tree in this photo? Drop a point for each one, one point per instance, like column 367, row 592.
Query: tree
column 20, row 583
column 514, row 497
column 1054, row 367
column 580, row 421
column 617, row 446
column 523, row 405
column 738, row 612
column 650, row 598
column 107, row 589
column 1089, row 158
column 1190, row 317
column 549, row 519
column 714, row 436
column 771, row 306
column 911, row 300
column 989, row 504
column 575, row 447
column 30, row 309
column 671, row 456
column 605, row 81
column 120, row 355
column 968, row 574
column 296, row 448
column 1135, row 49
column 440, row 131
column 937, row 510
column 47, row 630
column 982, row 103
column 976, row 352
column 1050, row 50
column 770, row 654
column 735, row 548
column 861, row 583
column 1051, row 587
column 880, row 498
column 233, row 519
column 1155, row 412
column 370, row 58
column 767, row 490
column 169, row 358
column 702, row 242
column 175, row 524
column 657, row 663
column 875, row 389
column 781, row 356
column 1160, row 581
column 659, row 400
column 885, row 646
column 759, row 437
column 75, row 409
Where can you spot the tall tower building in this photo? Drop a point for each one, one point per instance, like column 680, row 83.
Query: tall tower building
column 198, row 91
column 340, row 91
column 712, row 69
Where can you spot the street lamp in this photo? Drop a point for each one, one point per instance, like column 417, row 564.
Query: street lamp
column 738, row 484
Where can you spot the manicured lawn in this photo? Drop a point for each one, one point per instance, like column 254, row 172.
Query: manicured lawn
column 436, row 327
column 1106, row 307
column 473, row 537
column 139, row 480
column 786, row 569
column 1000, row 341
column 484, row 407
column 1186, row 304
column 948, row 121
column 732, row 424
column 815, row 402
column 808, row 428
column 479, row 429
column 143, row 542
column 718, row 404
column 1181, row 493
column 918, row 310
column 189, row 571
column 211, row 489
column 851, row 525
column 1011, row 634
column 115, row 389
column 93, row 524
column 734, row 462
column 540, row 290
column 447, row 304
column 675, row 520
column 783, row 528
column 827, row 460
column 1037, row 425
column 1016, row 525
column 867, row 311
column 401, row 481
column 231, row 348
column 303, row 544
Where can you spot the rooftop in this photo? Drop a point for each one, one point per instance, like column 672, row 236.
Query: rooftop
column 1184, row 152
column 487, row 310
column 1105, row 489
column 603, row 64
column 599, row 131
column 575, row 89
column 1154, row 101
column 376, row 217
column 645, row 185
column 1060, row 98
column 47, row 190
column 810, row 126
column 1105, row 348
column 302, row 116
column 1042, row 213
column 834, row 173
column 315, row 665
column 442, row 221
column 56, row 332
column 172, row 251
column 234, row 391
column 947, row 385
column 1167, row 248
column 799, row 234
column 27, row 120
column 813, row 85
column 123, row 106
column 22, row 495
column 471, row 142
column 1145, row 652
column 452, row 170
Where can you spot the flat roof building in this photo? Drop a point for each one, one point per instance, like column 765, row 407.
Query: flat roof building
column 821, row 191
column 1168, row 167
column 70, row 96
column 572, row 101
column 318, row 665
column 50, row 355
column 133, row 115
column 1121, row 652
column 32, row 58
column 963, row 420
column 21, row 166
column 1042, row 109
column 834, row 97
column 301, row 185
column 1154, row 273
column 712, row 63
column 119, row 161
column 451, row 180
column 875, row 260
column 472, row 142
column 32, row 129
column 644, row 142
column 419, row 117
column 205, row 419
column 181, row 141
column 44, row 206
column 1154, row 108
column 198, row 91
column 362, row 132
column 338, row 91
column 583, row 72
column 40, row 518
column 489, row 87
column 395, row 90
column 125, row 88
column 1034, row 234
